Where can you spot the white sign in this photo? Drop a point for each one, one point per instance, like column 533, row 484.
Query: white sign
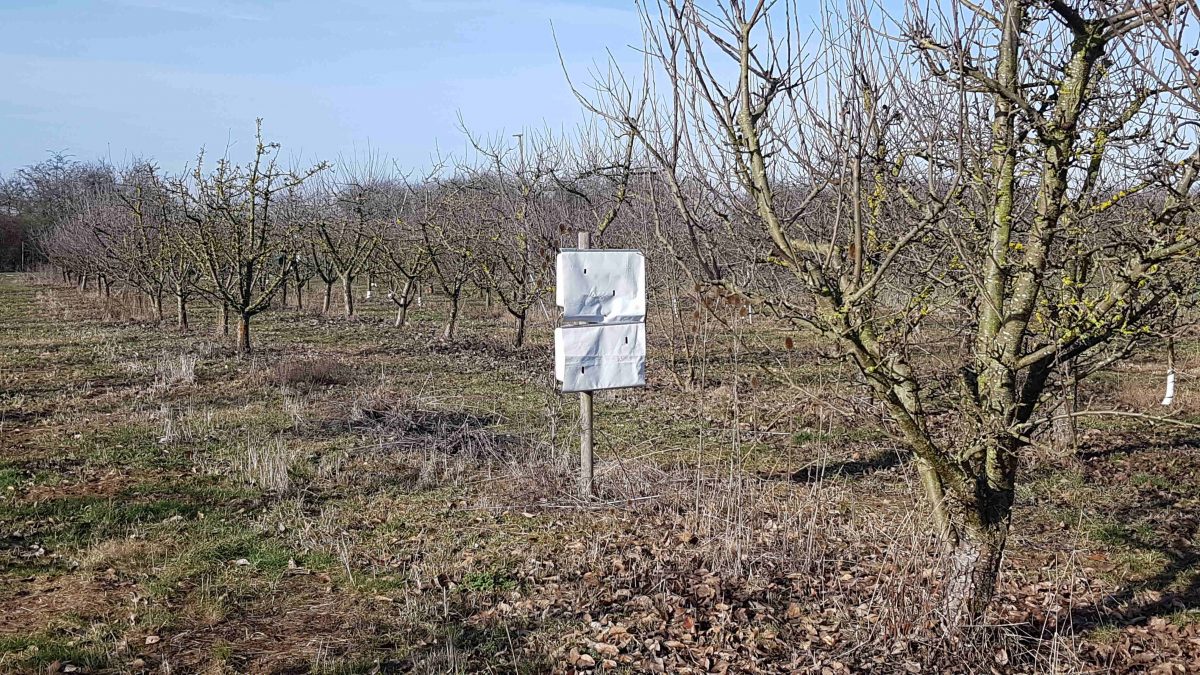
column 601, row 286
column 600, row 356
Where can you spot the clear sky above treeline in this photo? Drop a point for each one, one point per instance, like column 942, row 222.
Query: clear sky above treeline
column 117, row 79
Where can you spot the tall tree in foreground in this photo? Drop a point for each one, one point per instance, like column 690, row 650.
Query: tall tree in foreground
column 234, row 234
column 1022, row 172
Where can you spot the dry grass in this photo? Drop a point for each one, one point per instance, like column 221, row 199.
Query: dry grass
column 297, row 518
column 267, row 464
column 176, row 369
column 315, row 371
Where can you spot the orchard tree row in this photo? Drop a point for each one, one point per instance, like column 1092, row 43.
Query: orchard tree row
column 239, row 236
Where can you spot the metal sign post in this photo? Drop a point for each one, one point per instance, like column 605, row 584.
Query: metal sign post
column 602, row 342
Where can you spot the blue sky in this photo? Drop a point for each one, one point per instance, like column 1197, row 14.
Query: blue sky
column 115, row 79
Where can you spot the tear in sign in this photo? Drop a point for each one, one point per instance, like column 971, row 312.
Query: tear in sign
column 600, row 356
column 601, row 286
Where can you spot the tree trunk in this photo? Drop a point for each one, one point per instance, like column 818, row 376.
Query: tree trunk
column 974, row 571
column 283, row 291
column 935, row 492
column 452, row 320
column 224, row 325
column 519, row 338
column 401, row 313
column 243, row 333
column 107, row 287
column 1065, row 436
column 83, row 282
column 348, row 294
column 158, row 306
column 299, row 295
column 181, row 315
column 328, row 297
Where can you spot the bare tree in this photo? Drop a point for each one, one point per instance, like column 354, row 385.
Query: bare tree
column 234, row 235
column 867, row 185
column 347, row 220
column 447, row 214
column 402, row 257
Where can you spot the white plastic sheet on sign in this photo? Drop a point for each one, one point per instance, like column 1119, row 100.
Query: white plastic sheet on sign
column 600, row 356
column 601, row 286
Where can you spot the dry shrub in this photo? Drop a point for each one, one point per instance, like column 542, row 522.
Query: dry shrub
column 320, row 371
column 445, row 444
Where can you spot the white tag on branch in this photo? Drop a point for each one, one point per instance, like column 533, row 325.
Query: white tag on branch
column 1169, row 398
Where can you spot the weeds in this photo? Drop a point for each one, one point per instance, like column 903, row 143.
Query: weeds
column 267, row 464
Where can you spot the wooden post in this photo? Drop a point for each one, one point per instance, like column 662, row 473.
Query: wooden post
column 585, row 416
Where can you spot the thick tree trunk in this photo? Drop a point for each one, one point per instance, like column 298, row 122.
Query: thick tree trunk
column 328, row 297
column 283, row 292
column 224, row 324
column 974, row 572
column 181, row 315
column 348, row 294
column 107, row 287
column 158, row 306
column 452, row 320
column 401, row 314
column 83, row 282
column 243, row 333
column 299, row 295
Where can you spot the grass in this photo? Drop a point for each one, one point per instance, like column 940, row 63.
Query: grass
column 244, row 514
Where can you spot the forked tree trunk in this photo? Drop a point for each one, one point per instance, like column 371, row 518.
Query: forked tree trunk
column 348, row 294
column 243, row 333
column 452, row 319
column 107, row 287
column 181, row 314
column 83, row 282
column 401, row 313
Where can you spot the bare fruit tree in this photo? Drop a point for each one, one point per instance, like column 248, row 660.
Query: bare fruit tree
column 234, row 235
column 350, row 211
column 1016, row 180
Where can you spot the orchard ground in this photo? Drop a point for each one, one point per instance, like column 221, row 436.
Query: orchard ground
column 355, row 497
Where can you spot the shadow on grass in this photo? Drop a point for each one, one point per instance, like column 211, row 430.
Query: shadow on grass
column 880, row 461
column 1174, row 589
